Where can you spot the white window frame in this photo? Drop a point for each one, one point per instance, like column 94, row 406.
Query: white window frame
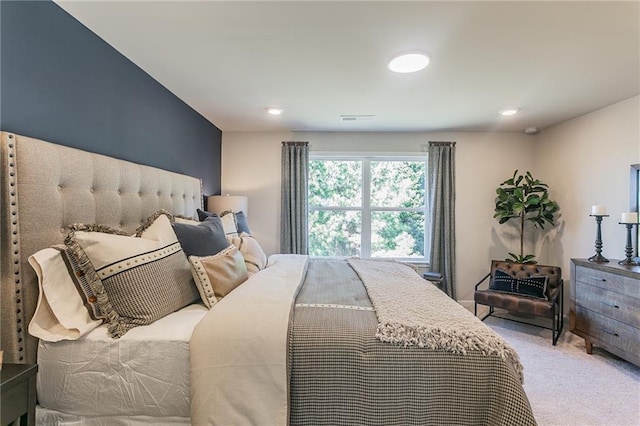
column 366, row 159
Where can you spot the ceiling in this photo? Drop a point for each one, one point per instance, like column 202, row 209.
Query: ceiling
column 319, row 60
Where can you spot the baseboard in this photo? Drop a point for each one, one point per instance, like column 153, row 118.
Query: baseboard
column 468, row 305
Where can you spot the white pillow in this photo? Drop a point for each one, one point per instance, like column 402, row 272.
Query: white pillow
column 185, row 220
column 254, row 256
column 229, row 224
column 60, row 313
column 219, row 274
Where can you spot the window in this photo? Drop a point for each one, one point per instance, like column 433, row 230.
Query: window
column 368, row 206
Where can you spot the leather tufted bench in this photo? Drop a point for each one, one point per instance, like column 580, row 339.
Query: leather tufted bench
column 550, row 308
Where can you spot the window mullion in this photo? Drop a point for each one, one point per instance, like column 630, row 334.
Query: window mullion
column 366, row 209
column 329, row 232
column 427, row 220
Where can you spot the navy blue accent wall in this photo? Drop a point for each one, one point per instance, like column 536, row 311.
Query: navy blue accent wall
column 62, row 83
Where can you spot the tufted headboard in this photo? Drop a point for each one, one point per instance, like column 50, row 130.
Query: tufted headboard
column 44, row 188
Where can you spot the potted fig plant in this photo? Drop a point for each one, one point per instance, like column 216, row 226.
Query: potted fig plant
column 524, row 199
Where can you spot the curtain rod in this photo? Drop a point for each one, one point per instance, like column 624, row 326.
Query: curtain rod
column 294, row 143
column 442, row 143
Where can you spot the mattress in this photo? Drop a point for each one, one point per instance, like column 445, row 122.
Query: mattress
column 145, row 373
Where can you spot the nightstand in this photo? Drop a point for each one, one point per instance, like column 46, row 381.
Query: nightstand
column 18, row 394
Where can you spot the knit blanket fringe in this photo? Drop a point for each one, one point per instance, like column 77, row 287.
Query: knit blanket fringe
column 412, row 312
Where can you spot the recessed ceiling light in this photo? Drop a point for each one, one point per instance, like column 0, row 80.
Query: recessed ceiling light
column 409, row 62
column 274, row 110
column 509, row 111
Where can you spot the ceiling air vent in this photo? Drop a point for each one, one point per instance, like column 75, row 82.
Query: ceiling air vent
column 357, row 117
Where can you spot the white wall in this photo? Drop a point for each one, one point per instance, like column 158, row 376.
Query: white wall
column 251, row 166
column 586, row 161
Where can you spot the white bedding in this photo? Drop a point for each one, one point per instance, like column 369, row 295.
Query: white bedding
column 239, row 373
column 144, row 373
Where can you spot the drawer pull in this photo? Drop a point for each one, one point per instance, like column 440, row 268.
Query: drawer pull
column 613, row 333
column 611, row 304
column 599, row 279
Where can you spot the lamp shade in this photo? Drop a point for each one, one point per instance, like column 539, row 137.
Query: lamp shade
column 222, row 203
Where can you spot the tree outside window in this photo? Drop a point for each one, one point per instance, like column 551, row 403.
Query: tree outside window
column 368, row 207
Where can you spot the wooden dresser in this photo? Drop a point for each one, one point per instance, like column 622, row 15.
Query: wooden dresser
column 605, row 307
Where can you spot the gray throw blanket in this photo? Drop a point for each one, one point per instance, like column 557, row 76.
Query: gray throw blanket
column 414, row 313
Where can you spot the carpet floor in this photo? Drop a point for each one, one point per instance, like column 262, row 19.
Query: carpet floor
column 566, row 386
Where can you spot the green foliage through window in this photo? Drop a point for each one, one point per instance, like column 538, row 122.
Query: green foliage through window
column 369, row 207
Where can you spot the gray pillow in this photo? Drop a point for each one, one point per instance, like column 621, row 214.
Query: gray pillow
column 242, row 224
column 202, row 214
column 205, row 239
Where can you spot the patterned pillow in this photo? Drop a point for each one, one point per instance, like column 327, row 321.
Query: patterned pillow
column 217, row 275
column 204, row 239
column 534, row 286
column 253, row 254
column 136, row 280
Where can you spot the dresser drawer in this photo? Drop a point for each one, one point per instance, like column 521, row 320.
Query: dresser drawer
column 609, row 303
column 609, row 331
column 612, row 282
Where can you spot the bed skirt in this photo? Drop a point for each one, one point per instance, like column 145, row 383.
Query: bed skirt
column 46, row 416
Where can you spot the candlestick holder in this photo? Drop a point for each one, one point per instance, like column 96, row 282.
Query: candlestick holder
column 598, row 257
column 628, row 250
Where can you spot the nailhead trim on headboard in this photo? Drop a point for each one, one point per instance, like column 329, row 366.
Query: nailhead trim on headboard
column 15, row 247
column 44, row 189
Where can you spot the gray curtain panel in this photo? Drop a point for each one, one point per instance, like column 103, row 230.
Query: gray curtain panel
column 442, row 199
column 295, row 177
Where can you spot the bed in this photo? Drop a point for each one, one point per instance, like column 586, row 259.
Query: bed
column 300, row 341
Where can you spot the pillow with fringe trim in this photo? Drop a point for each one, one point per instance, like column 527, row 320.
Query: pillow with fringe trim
column 137, row 280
